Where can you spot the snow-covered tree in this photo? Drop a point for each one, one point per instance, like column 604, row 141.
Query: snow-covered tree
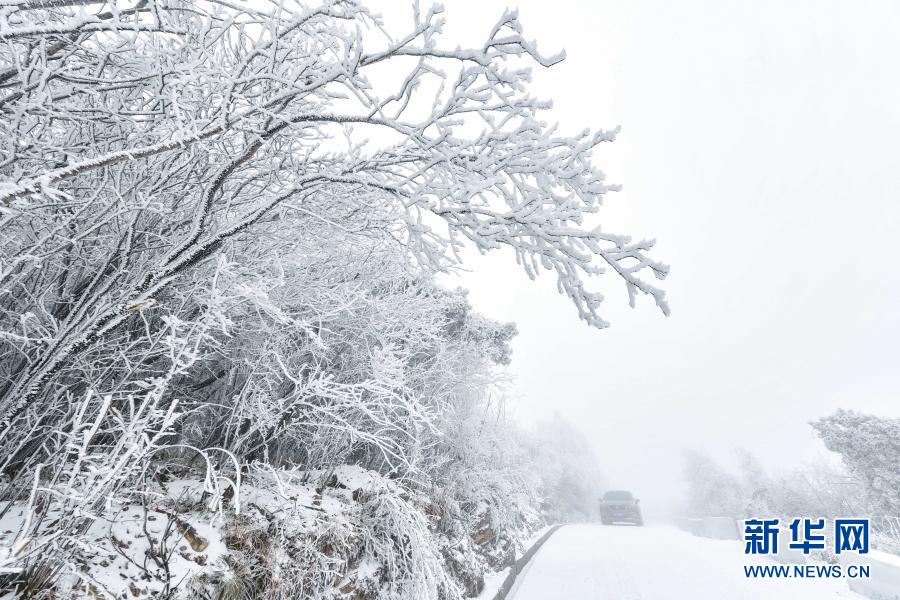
column 220, row 226
column 571, row 482
column 712, row 490
column 140, row 142
column 870, row 448
column 746, row 489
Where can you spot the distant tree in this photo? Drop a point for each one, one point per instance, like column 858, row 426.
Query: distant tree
column 756, row 483
column 749, row 490
column 568, row 470
column 711, row 489
column 870, row 448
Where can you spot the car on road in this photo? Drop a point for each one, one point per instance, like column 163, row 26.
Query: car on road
column 620, row 506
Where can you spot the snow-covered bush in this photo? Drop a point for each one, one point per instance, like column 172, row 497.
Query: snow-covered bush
column 359, row 535
column 483, row 491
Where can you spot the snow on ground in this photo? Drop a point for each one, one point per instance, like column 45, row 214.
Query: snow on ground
column 492, row 584
column 132, row 550
column 655, row 563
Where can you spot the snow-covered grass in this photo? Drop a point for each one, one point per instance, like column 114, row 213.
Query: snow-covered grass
column 322, row 534
column 131, row 549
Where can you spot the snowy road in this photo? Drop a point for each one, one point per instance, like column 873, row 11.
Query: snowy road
column 592, row 562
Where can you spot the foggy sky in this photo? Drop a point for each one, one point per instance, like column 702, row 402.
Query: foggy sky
column 761, row 148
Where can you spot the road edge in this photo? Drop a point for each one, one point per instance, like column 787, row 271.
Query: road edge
column 521, row 563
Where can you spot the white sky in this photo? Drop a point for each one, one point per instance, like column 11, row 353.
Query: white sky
column 761, row 147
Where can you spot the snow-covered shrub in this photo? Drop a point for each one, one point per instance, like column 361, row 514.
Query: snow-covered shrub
column 483, row 495
column 97, row 455
column 399, row 551
column 359, row 535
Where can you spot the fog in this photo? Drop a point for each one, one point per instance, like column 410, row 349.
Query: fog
column 760, row 146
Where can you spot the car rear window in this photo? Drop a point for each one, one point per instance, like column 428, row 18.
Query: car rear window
column 617, row 495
